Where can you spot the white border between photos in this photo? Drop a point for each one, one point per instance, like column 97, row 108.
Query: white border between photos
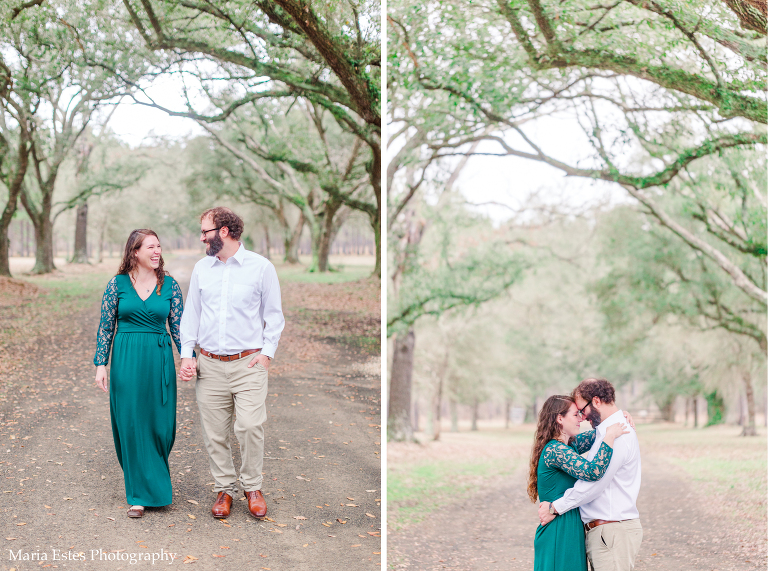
column 384, row 274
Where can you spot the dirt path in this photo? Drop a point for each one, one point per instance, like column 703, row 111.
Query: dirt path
column 493, row 530
column 63, row 502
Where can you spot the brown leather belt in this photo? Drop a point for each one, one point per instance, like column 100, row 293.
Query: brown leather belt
column 230, row 357
column 595, row 522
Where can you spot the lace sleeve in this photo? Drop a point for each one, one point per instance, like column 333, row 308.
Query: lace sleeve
column 583, row 442
column 107, row 326
column 174, row 317
column 565, row 458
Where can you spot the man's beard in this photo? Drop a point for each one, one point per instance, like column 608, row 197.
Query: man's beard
column 593, row 418
column 214, row 245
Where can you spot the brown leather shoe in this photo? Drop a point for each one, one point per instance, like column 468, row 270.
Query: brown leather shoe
column 257, row 505
column 136, row 511
column 222, row 506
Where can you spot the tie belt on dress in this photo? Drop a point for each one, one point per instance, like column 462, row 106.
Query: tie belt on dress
column 595, row 522
column 163, row 340
column 229, row 357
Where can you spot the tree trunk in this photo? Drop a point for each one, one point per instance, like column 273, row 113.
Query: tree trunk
column 742, row 413
column 437, row 401
column 696, row 411
column 14, row 191
column 44, row 246
column 507, row 412
column 374, row 171
column 291, row 240
column 751, row 14
column 327, row 234
column 415, row 421
column 315, row 230
column 266, row 239
column 376, row 226
column 531, row 414
column 100, row 250
column 80, row 255
column 749, row 426
column 430, row 428
column 323, row 251
column 454, row 416
column 398, row 417
column 666, row 406
column 41, row 220
column 475, row 414
column 5, row 243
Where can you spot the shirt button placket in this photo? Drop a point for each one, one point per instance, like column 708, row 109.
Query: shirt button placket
column 223, row 310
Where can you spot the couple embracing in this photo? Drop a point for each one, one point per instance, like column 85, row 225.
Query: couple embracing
column 234, row 314
column 603, row 486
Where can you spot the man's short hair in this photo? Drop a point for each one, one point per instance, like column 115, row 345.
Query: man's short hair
column 591, row 388
column 223, row 216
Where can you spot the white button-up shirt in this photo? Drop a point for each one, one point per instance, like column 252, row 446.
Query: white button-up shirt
column 233, row 306
column 614, row 496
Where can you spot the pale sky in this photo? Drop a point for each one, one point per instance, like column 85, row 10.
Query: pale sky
column 509, row 180
column 135, row 123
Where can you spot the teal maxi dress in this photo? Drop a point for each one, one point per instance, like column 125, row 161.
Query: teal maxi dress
column 142, row 388
column 559, row 545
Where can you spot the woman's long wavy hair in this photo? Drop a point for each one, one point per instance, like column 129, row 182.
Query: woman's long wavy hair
column 547, row 429
column 129, row 263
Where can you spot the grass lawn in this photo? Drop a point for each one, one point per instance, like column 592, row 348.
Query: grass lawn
column 292, row 273
column 415, row 490
column 58, row 295
column 422, row 478
column 717, row 459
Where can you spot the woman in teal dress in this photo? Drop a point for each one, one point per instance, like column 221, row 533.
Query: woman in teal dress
column 556, row 464
column 136, row 305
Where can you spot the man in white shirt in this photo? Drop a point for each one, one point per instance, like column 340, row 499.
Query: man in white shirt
column 233, row 312
column 608, row 506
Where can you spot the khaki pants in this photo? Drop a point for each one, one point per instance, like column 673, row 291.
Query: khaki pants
column 614, row 546
column 227, row 389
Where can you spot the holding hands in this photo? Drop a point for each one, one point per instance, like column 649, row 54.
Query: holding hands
column 188, row 368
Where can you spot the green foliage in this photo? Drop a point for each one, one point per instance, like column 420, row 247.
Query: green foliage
column 292, row 159
column 601, row 295
column 461, row 263
column 650, row 269
column 715, row 408
column 670, row 97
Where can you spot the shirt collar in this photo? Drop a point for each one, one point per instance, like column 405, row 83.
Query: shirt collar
column 617, row 416
column 239, row 256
